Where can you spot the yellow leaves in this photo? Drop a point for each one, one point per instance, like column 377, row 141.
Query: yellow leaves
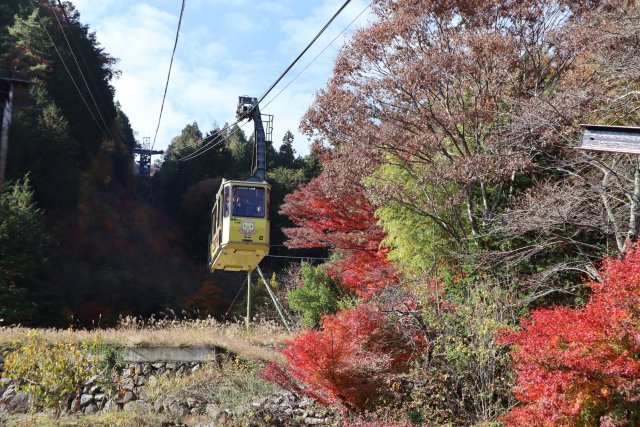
column 49, row 371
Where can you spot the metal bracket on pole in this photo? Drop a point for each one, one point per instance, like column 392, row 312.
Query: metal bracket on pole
column 275, row 299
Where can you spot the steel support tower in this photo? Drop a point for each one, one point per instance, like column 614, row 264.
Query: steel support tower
column 143, row 185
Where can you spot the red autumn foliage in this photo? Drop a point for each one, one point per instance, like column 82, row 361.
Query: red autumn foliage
column 344, row 223
column 350, row 361
column 205, row 300
column 580, row 366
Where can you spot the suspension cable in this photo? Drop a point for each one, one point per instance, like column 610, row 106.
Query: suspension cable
column 206, row 141
column 297, row 257
column 318, row 55
column 202, row 149
column 303, row 52
column 164, row 96
column 210, row 147
column 67, row 69
column 84, row 61
column 64, row 34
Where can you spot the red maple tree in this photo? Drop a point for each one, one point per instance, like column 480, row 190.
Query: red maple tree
column 344, row 223
column 580, row 366
column 351, row 360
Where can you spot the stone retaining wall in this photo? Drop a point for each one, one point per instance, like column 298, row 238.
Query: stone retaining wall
column 93, row 397
column 126, row 388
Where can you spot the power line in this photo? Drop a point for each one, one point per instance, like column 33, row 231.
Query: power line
column 64, row 34
column 84, row 61
column 67, row 69
column 202, row 149
column 304, row 51
column 175, row 45
column 220, row 135
column 206, row 141
column 318, row 55
column 297, row 257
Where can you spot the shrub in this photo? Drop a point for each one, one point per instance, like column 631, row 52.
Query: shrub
column 49, row 373
column 580, row 366
column 234, row 385
column 477, row 366
column 351, row 360
column 22, row 253
column 317, row 296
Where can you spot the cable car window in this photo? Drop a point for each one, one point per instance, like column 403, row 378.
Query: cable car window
column 226, row 202
column 248, row 201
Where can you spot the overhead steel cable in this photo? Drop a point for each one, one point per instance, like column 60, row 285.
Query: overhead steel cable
column 175, row 45
column 83, row 59
column 67, row 69
column 303, row 52
column 215, row 136
column 298, row 257
column 220, row 135
column 206, row 141
column 234, row 300
column 202, row 149
column 199, row 151
column 64, row 34
column 317, row 56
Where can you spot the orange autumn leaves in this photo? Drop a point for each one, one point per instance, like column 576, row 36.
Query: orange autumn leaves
column 350, row 361
column 579, row 366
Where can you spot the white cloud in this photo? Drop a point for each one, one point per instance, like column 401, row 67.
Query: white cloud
column 226, row 48
column 91, row 9
column 280, row 8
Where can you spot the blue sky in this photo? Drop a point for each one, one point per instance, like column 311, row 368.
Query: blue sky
column 226, row 48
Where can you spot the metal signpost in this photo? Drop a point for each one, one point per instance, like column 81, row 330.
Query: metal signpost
column 614, row 139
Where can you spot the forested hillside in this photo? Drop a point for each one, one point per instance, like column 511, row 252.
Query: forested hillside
column 76, row 246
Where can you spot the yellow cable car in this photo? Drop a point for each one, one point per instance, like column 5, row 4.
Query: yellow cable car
column 239, row 237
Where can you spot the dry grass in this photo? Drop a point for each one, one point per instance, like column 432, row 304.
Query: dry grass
column 104, row 419
column 259, row 342
column 234, row 385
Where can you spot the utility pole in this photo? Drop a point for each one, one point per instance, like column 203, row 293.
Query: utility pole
column 273, row 296
column 11, row 91
column 143, row 186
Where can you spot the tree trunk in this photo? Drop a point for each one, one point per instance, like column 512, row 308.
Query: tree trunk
column 634, row 208
column 471, row 212
column 609, row 210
